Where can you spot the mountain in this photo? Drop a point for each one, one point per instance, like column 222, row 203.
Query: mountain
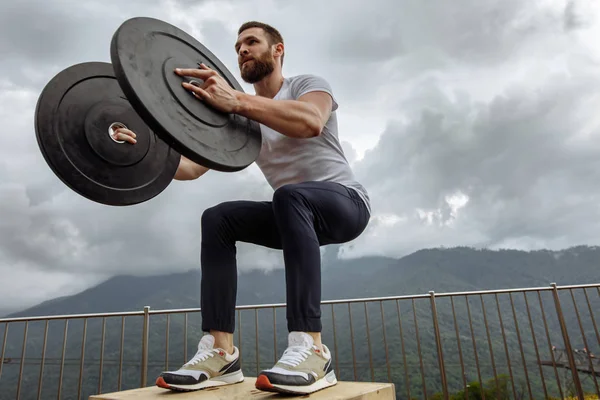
column 442, row 270
column 4, row 312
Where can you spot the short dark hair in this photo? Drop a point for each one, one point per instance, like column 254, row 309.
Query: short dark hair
column 273, row 34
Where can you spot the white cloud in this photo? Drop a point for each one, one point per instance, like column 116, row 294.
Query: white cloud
column 471, row 123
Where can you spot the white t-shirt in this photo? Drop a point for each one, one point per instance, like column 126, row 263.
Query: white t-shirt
column 284, row 160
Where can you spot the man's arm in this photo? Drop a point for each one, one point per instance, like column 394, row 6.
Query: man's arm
column 302, row 118
column 189, row 170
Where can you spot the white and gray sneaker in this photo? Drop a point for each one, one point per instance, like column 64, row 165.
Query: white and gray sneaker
column 209, row 367
column 302, row 369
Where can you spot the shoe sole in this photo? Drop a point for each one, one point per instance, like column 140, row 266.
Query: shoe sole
column 263, row 383
column 223, row 380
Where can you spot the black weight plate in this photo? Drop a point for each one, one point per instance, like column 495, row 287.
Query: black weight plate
column 144, row 53
column 72, row 120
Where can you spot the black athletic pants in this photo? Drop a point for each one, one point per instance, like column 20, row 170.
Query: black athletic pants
column 301, row 218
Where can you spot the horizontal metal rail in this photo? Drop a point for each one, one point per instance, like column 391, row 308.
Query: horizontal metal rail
column 283, row 305
column 502, row 343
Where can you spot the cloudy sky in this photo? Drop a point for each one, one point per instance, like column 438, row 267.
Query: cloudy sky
column 471, row 122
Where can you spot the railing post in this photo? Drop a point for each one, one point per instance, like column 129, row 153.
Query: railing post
column 438, row 341
column 145, row 331
column 568, row 349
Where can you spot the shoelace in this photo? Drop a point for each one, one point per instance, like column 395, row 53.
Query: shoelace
column 201, row 355
column 294, row 355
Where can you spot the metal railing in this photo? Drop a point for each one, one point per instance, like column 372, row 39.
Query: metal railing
column 502, row 344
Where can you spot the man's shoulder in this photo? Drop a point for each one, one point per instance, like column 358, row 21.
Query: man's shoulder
column 306, row 77
column 302, row 83
column 305, row 83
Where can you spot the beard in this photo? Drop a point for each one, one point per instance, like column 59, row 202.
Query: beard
column 259, row 68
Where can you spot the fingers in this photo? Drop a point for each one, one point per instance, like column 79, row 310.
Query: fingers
column 123, row 134
column 203, row 72
column 196, row 90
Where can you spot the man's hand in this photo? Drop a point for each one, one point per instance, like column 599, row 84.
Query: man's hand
column 215, row 91
column 124, row 134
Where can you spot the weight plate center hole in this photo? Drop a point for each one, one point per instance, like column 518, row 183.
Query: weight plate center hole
column 112, row 131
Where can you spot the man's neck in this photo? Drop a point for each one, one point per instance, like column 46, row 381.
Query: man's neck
column 270, row 85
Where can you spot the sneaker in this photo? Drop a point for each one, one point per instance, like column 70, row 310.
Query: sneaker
column 210, row 367
column 302, row 369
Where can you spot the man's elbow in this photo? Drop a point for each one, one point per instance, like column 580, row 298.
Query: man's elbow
column 199, row 170
column 315, row 124
column 314, row 129
column 189, row 172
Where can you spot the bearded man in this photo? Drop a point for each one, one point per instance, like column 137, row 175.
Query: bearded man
column 316, row 201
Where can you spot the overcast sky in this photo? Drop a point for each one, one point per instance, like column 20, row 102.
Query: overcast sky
column 470, row 122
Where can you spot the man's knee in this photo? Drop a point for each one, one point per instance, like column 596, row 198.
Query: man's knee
column 287, row 193
column 214, row 216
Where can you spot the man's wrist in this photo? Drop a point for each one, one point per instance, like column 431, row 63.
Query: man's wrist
column 242, row 105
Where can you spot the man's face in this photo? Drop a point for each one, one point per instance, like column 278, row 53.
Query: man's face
column 255, row 58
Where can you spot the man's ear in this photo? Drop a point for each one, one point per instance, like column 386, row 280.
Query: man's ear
column 278, row 49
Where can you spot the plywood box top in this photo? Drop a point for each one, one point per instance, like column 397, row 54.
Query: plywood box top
column 246, row 390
